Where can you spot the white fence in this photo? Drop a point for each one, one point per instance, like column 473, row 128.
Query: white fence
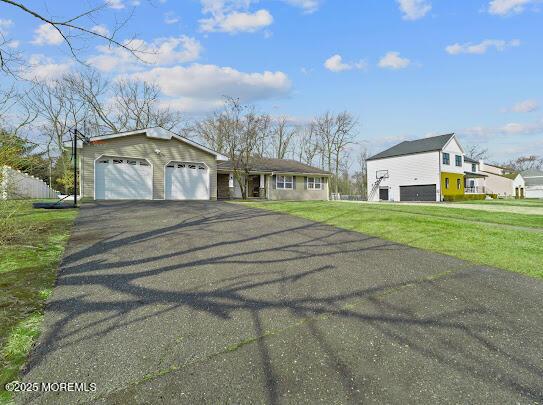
column 15, row 184
column 345, row 197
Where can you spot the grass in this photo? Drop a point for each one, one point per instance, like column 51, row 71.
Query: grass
column 529, row 202
column 32, row 245
column 504, row 240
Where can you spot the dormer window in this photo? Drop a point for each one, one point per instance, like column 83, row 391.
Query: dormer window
column 446, row 158
column 458, row 160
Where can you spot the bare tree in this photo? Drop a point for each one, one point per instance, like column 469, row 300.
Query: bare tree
column 308, row 144
column 282, row 134
column 336, row 133
column 212, row 131
column 524, row 163
column 243, row 133
column 476, row 152
column 360, row 176
column 73, row 30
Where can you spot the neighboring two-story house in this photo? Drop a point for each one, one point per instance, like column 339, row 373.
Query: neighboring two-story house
column 534, row 183
column 435, row 169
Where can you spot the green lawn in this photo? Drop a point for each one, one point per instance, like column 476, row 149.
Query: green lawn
column 530, row 202
column 32, row 243
column 509, row 241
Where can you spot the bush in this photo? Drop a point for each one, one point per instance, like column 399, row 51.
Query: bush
column 464, row 197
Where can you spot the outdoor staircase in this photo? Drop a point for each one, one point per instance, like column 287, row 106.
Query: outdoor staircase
column 375, row 187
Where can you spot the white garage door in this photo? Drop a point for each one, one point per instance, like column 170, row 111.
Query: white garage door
column 118, row 178
column 187, row 181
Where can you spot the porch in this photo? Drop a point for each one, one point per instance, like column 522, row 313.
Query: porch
column 228, row 187
column 474, row 183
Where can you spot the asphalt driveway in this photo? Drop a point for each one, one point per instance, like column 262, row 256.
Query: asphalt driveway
column 168, row 302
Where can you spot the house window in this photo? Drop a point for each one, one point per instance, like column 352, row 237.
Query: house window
column 447, row 183
column 144, row 163
column 285, row 182
column 446, row 159
column 314, row 183
column 458, row 184
column 474, row 168
column 458, row 160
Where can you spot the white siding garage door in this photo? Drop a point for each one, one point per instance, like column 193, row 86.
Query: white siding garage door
column 186, row 181
column 118, row 178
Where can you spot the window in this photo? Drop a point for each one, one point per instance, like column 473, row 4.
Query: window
column 192, row 167
column 117, row 161
column 285, row 182
column 171, row 166
column 447, row 183
column 144, row 163
column 180, row 166
column 474, row 167
column 446, row 159
column 201, row 167
column 132, row 162
column 458, row 184
column 103, row 161
column 314, row 183
column 458, row 160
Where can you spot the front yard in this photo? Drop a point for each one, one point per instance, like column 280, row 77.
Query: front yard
column 32, row 243
column 504, row 240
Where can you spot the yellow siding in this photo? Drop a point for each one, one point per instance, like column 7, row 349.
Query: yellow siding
column 453, row 189
column 140, row 146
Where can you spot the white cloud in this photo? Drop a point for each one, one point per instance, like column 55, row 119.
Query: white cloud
column 511, row 128
column 308, row 6
column 101, row 30
column 202, row 87
column 505, row 7
column 237, row 21
column 525, row 106
column 46, row 34
column 163, row 51
column 5, row 25
column 41, row 67
column 170, row 18
column 393, row 60
column 335, row 64
column 482, row 47
column 115, row 4
column 414, row 9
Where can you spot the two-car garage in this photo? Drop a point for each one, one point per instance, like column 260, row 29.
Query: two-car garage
column 120, row 178
column 425, row 192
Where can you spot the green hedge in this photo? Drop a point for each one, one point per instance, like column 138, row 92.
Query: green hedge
column 464, row 197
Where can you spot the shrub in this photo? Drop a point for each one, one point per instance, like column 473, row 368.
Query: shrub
column 464, row 197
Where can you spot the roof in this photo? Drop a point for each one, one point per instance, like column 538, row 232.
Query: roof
column 470, row 160
column 533, row 181
column 511, row 176
column 260, row 164
column 417, row 146
column 153, row 133
column 532, row 173
column 472, row 174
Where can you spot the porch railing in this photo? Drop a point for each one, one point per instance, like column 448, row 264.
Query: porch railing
column 474, row 190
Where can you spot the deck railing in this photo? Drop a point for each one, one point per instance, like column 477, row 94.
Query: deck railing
column 474, row 190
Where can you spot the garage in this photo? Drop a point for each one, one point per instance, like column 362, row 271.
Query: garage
column 418, row 193
column 186, row 181
column 121, row 178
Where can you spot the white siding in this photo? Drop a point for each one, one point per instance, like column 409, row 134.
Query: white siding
column 417, row 169
column 502, row 186
column 453, row 149
column 533, row 192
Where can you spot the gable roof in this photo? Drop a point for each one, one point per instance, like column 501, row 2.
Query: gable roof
column 153, row 133
column 532, row 173
column 269, row 165
column 430, row 144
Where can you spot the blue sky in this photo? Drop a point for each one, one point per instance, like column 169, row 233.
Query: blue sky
column 406, row 68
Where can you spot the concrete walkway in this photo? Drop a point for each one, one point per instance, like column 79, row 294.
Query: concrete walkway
column 184, row 303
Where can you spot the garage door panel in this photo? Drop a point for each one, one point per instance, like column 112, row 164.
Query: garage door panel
column 425, row 192
column 186, row 181
column 123, row 179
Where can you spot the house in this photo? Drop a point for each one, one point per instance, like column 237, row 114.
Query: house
column 274, row 179
column 533, row 179
column 156, row 164
column 435, row 169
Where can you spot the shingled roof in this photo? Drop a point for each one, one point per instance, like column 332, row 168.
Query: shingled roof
column 268, row 165
column 417, row 146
